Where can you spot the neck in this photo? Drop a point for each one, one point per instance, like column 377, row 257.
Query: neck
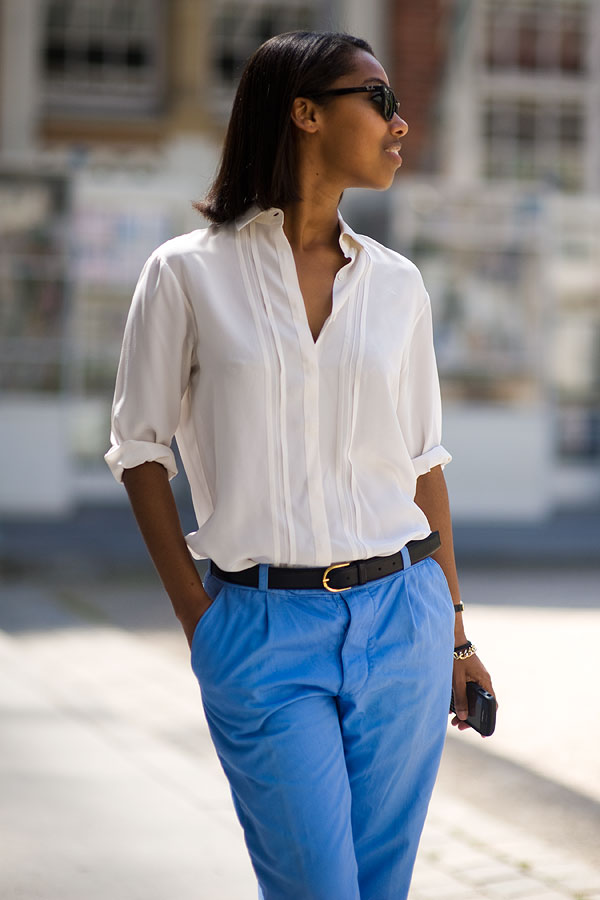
column 312, row 222
column 308, row 227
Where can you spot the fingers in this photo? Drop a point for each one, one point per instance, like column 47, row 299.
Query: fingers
column 470, row 669
column 462, row 726
column 459, row 686
column 477, row 672
column 465, row 670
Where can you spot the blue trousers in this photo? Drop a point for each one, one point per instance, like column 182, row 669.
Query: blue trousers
column 328, row 713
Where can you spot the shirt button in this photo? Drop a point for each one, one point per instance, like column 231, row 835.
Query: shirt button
column 341, row 276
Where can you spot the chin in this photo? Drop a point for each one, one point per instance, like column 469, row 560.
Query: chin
column 383, row 186
column 382, row 183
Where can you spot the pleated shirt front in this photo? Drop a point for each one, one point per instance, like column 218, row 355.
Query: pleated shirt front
column 298, row 452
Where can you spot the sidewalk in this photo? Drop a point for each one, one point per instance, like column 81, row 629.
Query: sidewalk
column 110, row 786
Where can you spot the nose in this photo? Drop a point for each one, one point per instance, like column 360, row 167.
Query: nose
column 400, row 127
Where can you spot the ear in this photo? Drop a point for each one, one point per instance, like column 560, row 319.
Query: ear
column 305, row 114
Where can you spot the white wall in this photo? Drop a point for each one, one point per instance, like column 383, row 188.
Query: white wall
column 502, row 467
column 367, row 20
column 34, row 455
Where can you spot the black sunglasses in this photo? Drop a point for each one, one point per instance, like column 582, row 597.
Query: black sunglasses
column 383, row 94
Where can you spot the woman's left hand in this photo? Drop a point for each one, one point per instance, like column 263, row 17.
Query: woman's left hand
column 471, row 669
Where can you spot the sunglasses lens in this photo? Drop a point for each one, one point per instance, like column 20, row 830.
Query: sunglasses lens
column 384, row 101
column 387, row 102
column 390, row 105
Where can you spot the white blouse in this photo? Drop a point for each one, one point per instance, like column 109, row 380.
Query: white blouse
column 298, row 452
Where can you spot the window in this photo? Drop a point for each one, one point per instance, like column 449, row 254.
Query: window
column 578, row 432
column 34, row 287
column 528, row 139
column 573, row 362
column 240, row 27
column 536, row 35
column 102, row 56
column 479, row 256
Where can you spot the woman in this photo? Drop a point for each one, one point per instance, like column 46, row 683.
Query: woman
column 294, row 360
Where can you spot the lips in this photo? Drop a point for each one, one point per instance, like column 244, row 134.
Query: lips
column 395, row 150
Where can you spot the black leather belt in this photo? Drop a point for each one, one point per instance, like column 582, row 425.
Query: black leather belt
column 337, row 577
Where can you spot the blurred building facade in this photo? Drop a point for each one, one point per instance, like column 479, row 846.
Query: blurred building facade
column 503, row 221
column 111, row 118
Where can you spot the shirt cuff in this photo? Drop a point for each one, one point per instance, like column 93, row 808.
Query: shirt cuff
column 133, row 453
column 437, row 456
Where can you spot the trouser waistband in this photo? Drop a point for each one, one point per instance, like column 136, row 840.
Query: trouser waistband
column 338, row 576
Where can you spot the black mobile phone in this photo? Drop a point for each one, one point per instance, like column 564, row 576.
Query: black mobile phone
column 482, row 708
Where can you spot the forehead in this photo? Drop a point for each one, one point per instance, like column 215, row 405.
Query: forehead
column 366, row 70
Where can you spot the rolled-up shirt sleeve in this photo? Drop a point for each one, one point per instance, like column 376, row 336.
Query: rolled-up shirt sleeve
column 419, row 406
column 156, row 360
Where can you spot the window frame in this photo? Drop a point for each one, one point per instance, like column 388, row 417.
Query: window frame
column 86, row 95
column 247, row 40
column 540, row 86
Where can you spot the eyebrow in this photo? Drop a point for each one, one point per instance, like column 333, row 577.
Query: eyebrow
column 373, row 81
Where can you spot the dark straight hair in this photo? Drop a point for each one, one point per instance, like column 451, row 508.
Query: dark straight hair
column 258, row 163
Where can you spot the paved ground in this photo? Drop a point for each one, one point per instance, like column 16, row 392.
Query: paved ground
column 110, row 787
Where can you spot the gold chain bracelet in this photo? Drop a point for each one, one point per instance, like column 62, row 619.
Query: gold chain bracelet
column 465, row 651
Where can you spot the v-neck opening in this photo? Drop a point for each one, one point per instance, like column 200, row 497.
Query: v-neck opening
column 349, row 262
column 291, row 280
column 332, row 310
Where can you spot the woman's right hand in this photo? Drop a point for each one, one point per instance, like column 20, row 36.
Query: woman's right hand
column 190, row 622
column 154, row 506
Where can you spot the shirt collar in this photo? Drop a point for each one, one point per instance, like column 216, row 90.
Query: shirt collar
column 348, row 237
column 274, row 216
column 255, row 214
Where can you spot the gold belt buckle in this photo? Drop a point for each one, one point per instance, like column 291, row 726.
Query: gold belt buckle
column 326, row 581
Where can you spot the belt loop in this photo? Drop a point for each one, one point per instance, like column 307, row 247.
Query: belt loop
column 406, row 558
column 263, row 577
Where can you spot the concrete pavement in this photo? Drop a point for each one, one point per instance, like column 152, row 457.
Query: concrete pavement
column 110, row 787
